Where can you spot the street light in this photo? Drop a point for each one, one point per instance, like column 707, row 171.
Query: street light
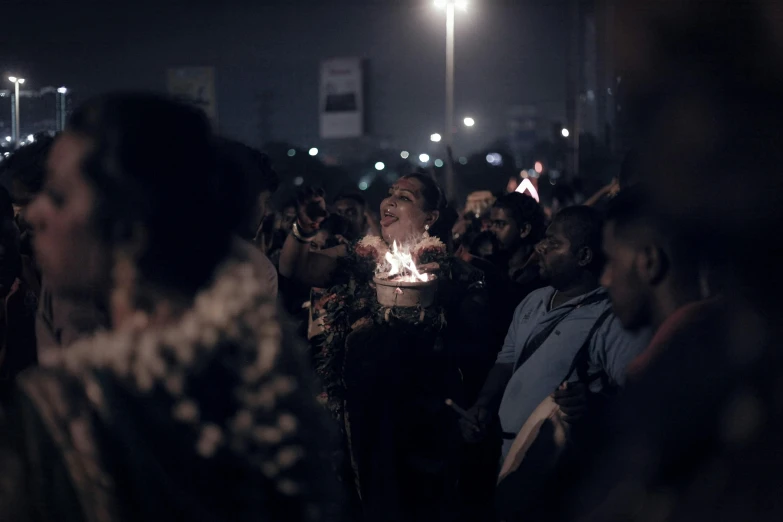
column 313, row 152
column 435, row 137
column 15, row 130
column 565, row 133
column 380, row 166
column 469, row 122
column 61, row 101
column 424, row 158
column 450, row 6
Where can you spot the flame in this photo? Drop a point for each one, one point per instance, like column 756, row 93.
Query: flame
column 402, row 265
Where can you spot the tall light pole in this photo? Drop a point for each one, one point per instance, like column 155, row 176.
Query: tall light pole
column 15, row 130
column 451, row 7
column 61, row 106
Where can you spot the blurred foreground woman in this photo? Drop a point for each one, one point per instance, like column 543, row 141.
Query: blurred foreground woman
column 192, row 406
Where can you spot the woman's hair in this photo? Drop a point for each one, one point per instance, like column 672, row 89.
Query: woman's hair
column 434, row 201
column 154, row 167
column 524, row 209
column 433, row 196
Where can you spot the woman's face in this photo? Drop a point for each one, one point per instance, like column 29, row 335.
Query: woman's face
column 73, row 260
column 403, row 217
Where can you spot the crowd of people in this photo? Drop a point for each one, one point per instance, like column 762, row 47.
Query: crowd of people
column 173, row 347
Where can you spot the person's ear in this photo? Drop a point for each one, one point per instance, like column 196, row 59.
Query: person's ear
column 525, row 230
column 431, row 218
column 584, row 256
column 652, row 264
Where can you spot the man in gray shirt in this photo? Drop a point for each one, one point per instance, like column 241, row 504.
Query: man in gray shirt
column 552, row 325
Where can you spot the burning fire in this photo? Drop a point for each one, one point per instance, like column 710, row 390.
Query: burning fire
column 402, row 268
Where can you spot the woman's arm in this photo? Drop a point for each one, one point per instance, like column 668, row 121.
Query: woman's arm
column 609, row 190
column 298, row 262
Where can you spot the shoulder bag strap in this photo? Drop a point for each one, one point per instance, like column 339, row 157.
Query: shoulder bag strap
column 581, row 362
column 532, row 345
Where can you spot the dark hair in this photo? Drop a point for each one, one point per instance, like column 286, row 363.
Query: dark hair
column 290, row 203
column 583, row 226
column 245, row 173
column 353, row 197
column 433, row 195
column 26, row 168
column 6, row 206
column 634, row 210
column 524, row 209
column 442, row 228
column 153, row 163
column 255, row 167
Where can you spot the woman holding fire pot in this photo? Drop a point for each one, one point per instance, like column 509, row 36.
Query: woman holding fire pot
column 387, row 370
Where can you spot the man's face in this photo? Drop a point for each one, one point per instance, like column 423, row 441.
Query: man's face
column 505, row 228
column 621, row 279
column 353, row 213
column 558, row 263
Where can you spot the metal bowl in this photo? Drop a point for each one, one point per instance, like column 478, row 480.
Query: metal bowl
column 406, row 294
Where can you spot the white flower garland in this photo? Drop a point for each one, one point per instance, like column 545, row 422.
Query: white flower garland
column 151, row 362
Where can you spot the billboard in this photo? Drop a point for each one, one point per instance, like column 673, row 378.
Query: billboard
column 194, row 85
column 341, row 100
column 523, row 131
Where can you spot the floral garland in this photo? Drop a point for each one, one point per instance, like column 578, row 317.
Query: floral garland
column 353, row 303
column 232, row 331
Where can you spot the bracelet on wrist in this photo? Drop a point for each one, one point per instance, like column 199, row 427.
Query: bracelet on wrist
column 296, row 231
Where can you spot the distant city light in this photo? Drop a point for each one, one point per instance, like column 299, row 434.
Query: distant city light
column 565, row 133
column 436, row 137
column 424, row 158
column 469, row 122
column 30, row 138
column 363, row 185
column 291, row 153
column 313, row 152
column 494, row 159
column 539, row 167
column 463, row 160
column 62, row 90
column 438, row 163
column 380, row 166
column 298, row 180
column 404, row 154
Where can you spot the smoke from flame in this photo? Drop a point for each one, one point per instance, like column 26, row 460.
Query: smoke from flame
column 402, row 265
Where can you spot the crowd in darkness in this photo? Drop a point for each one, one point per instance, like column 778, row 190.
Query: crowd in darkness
column 172, row 347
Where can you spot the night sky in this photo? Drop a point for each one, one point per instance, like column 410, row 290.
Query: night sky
column 507, row 53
